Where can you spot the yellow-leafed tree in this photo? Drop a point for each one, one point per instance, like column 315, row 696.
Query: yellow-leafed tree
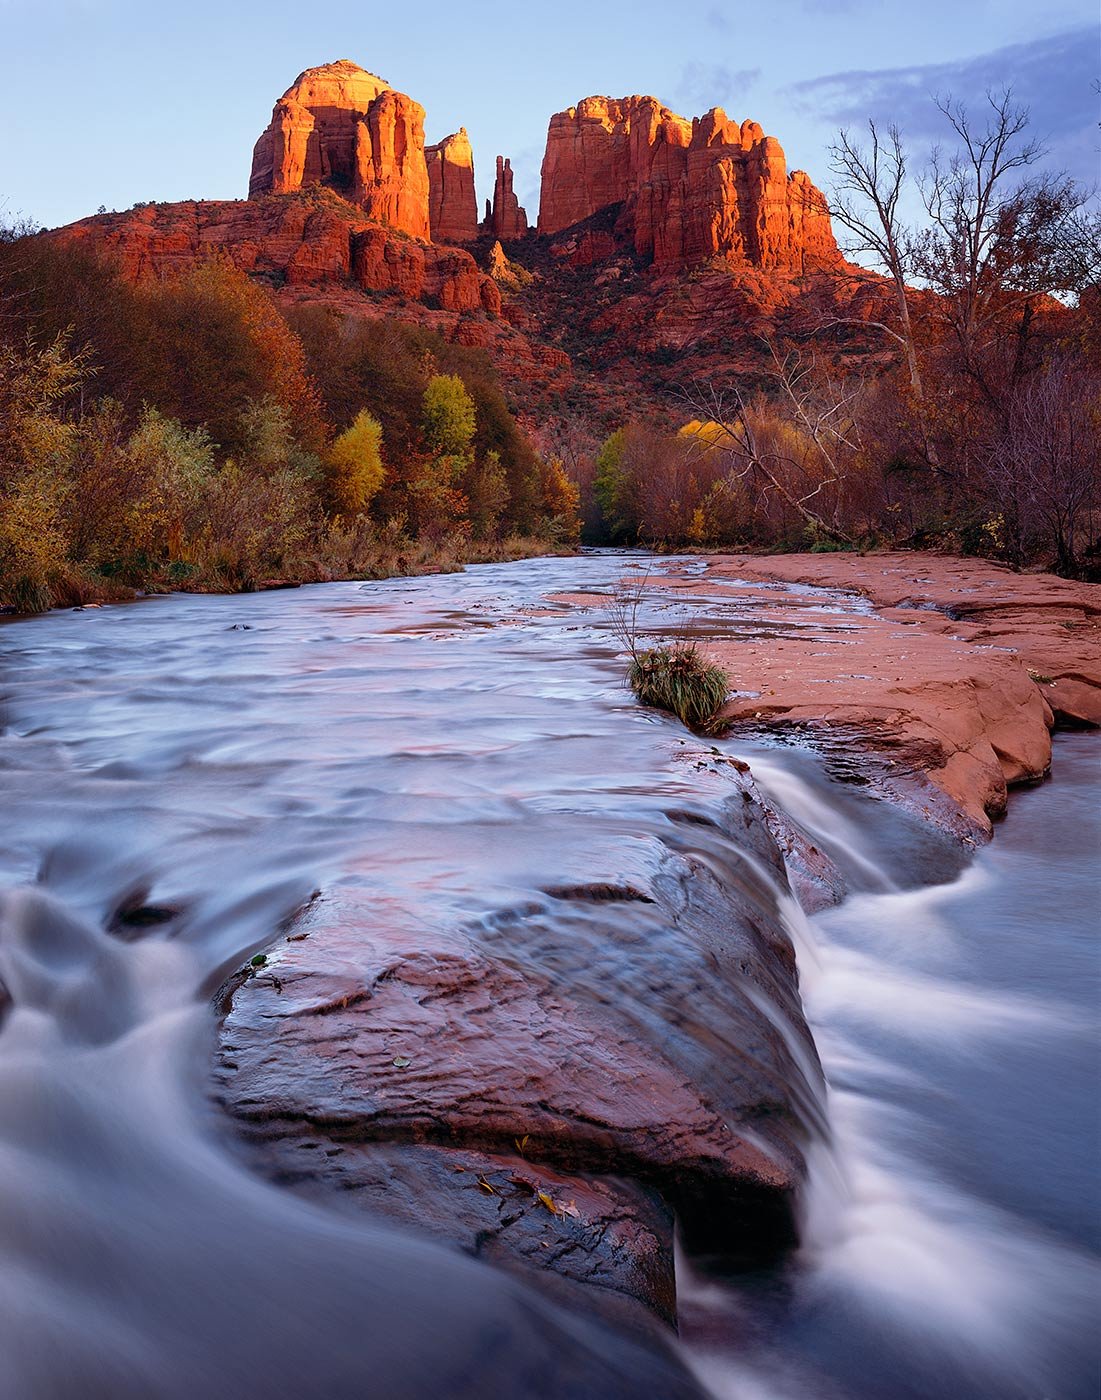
column 355, row 466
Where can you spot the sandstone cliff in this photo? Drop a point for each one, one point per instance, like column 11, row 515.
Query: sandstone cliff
column 314, row 249
column 689, row 191
column 632, row 195
column 340, row 126
column 452, row 203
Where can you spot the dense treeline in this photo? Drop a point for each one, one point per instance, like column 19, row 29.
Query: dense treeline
column 838, row 466
column 185, row 433
column 978, row 426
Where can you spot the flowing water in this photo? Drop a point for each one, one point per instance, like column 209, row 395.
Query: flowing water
column 178, row 775
column 952, row 1230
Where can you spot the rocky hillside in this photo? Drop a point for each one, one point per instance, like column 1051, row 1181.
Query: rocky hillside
column 665, row 247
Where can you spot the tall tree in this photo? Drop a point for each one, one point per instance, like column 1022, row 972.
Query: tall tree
column 870, row 183
column 995, row 241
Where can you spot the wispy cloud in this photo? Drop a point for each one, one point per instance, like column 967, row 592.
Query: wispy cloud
column 706, row 85
column 1055, row 77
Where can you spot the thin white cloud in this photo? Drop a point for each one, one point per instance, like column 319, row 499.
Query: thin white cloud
column 706, row 85
column 1055, row 77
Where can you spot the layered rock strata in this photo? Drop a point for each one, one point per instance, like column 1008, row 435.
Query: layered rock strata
column 452, row 202
column 689, row 190
column 292, row 243
column 584, row 311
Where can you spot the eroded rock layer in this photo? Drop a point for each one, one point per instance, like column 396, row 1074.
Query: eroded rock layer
column 949, row 688
column 308, row 241
column 545, row 1084
column 599, row 308
column 689, row 190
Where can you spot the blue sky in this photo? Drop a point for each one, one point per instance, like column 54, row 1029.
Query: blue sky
column 113, row 102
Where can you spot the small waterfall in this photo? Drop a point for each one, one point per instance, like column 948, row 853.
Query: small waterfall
column 929, row 1260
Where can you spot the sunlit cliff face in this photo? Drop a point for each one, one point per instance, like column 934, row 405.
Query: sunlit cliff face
column 342, row 127
column 690, row 190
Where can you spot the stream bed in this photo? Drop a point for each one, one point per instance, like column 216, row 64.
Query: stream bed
column 179, row 775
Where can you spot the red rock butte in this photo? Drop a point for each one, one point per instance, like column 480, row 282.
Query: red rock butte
column 340, row 126
column 690, row 191
column 684, row 192
column 505, row 219
column 453, row 205
column 348, row 208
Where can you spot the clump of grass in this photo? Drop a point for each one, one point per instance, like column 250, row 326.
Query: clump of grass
column 680, row 679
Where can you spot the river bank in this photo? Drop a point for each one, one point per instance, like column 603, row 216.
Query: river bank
column 376, row 554
column 941, row 692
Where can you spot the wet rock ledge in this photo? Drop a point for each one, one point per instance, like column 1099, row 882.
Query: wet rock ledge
column 940, row 695
column 550, row 1085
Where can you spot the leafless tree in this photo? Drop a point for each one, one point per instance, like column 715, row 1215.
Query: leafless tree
column 804, row 468
column 1078, row 249
column 1053, row 449
column 870, row 182
column 992, row 244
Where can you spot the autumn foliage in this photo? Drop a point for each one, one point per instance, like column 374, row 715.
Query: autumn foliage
column 184, row 433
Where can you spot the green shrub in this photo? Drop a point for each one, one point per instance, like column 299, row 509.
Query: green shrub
column 678, row 678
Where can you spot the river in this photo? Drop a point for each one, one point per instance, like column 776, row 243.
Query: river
column 181, row 773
